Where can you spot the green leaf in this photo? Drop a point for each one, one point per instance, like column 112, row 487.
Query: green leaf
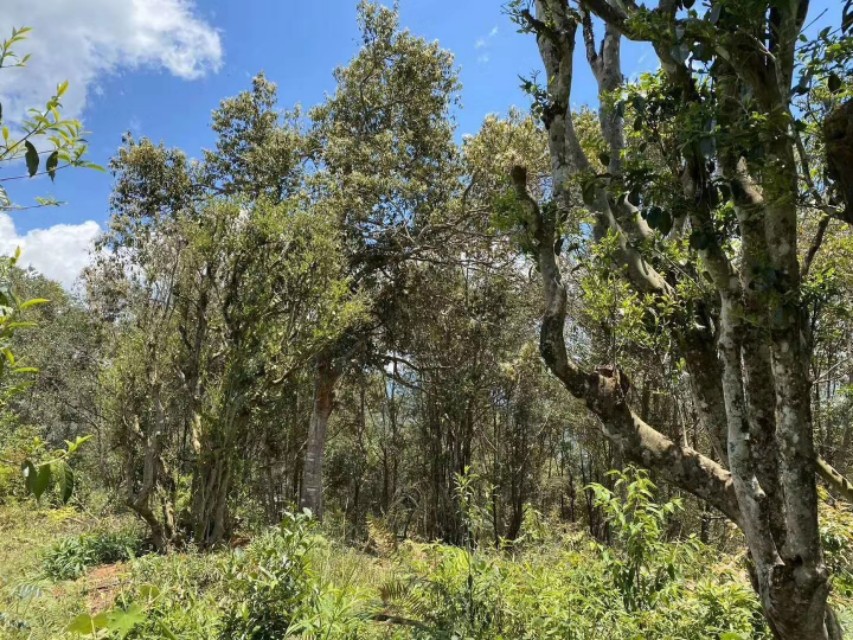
column 714, row 14
column 32, row 158
column 149, row 591
column 42, row 480
column 65, row 479
column 84, row 625
column 25, row 370
column 30, row 474
column 123, row 621
column 51, row 164
column 659, row 220
column 80, row 441
column 834, row 83
column 33, row 302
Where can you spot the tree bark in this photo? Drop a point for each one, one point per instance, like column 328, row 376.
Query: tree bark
column 326, row 375
column 758, row 402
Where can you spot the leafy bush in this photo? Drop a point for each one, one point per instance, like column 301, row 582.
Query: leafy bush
column 291, row 582
column 193, row 588
column 269, row 582
column 71, row 557
column 836, row 532
column 641, row 563
column 574, row 588
column 17, row 444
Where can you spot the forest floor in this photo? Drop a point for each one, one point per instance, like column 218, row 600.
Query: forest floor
column 51, row 579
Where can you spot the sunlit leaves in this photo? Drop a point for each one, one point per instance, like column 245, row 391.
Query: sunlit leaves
column 40, row 131
column 56, row 472
column 116, row 620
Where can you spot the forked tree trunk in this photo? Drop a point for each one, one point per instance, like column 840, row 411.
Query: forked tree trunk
column 751, row 386
column 141, row 497
column 326, row 375
column 212, row 484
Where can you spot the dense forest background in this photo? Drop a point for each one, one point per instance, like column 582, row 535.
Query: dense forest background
column 343, row 320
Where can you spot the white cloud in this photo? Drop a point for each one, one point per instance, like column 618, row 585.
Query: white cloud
column 81, row 40
column 59, row 252
column 483, row 43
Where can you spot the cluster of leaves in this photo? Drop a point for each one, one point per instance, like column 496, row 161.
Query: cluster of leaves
column 71, row 557
column 572, row 587
column 54, row 472
column 11, row 321
column 269, row 582
column 45, row 127
column 836, row 533
column 642, row 564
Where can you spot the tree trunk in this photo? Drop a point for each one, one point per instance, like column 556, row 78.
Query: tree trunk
column 212, row 484
column 325, row 377
column 751, row 389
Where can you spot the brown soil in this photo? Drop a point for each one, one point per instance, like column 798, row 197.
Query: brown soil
column 103, row 585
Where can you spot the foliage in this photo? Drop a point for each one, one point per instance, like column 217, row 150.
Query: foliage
column 836, row 533
column 565, row 588
column 11, row 310
column 60, row 138
column 641, row 565
column 71, row 557
column 294, row 581
column 269, row 583
column 357, row 261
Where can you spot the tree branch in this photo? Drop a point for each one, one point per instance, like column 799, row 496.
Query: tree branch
column 836, row 482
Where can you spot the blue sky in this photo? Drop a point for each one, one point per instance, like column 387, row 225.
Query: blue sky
column 297, row 45
column 158, row 67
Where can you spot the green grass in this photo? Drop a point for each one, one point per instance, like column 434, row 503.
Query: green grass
column 565, row 586
column 32, row 605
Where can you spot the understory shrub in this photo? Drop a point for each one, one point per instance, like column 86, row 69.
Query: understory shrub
column 574, row 588
column 71, row 557
column 292, row 582
column 269, row 582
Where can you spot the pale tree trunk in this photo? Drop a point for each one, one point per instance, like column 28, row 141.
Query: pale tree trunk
column 150, row 438
column 751, row 385
column 211, row 487
column 218, row 449
column 326, row 375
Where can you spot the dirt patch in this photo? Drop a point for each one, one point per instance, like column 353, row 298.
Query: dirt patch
column 103, row 585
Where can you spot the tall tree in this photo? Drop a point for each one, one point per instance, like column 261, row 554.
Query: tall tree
column 709, row 237
column 388, row 168
column 229, row 280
